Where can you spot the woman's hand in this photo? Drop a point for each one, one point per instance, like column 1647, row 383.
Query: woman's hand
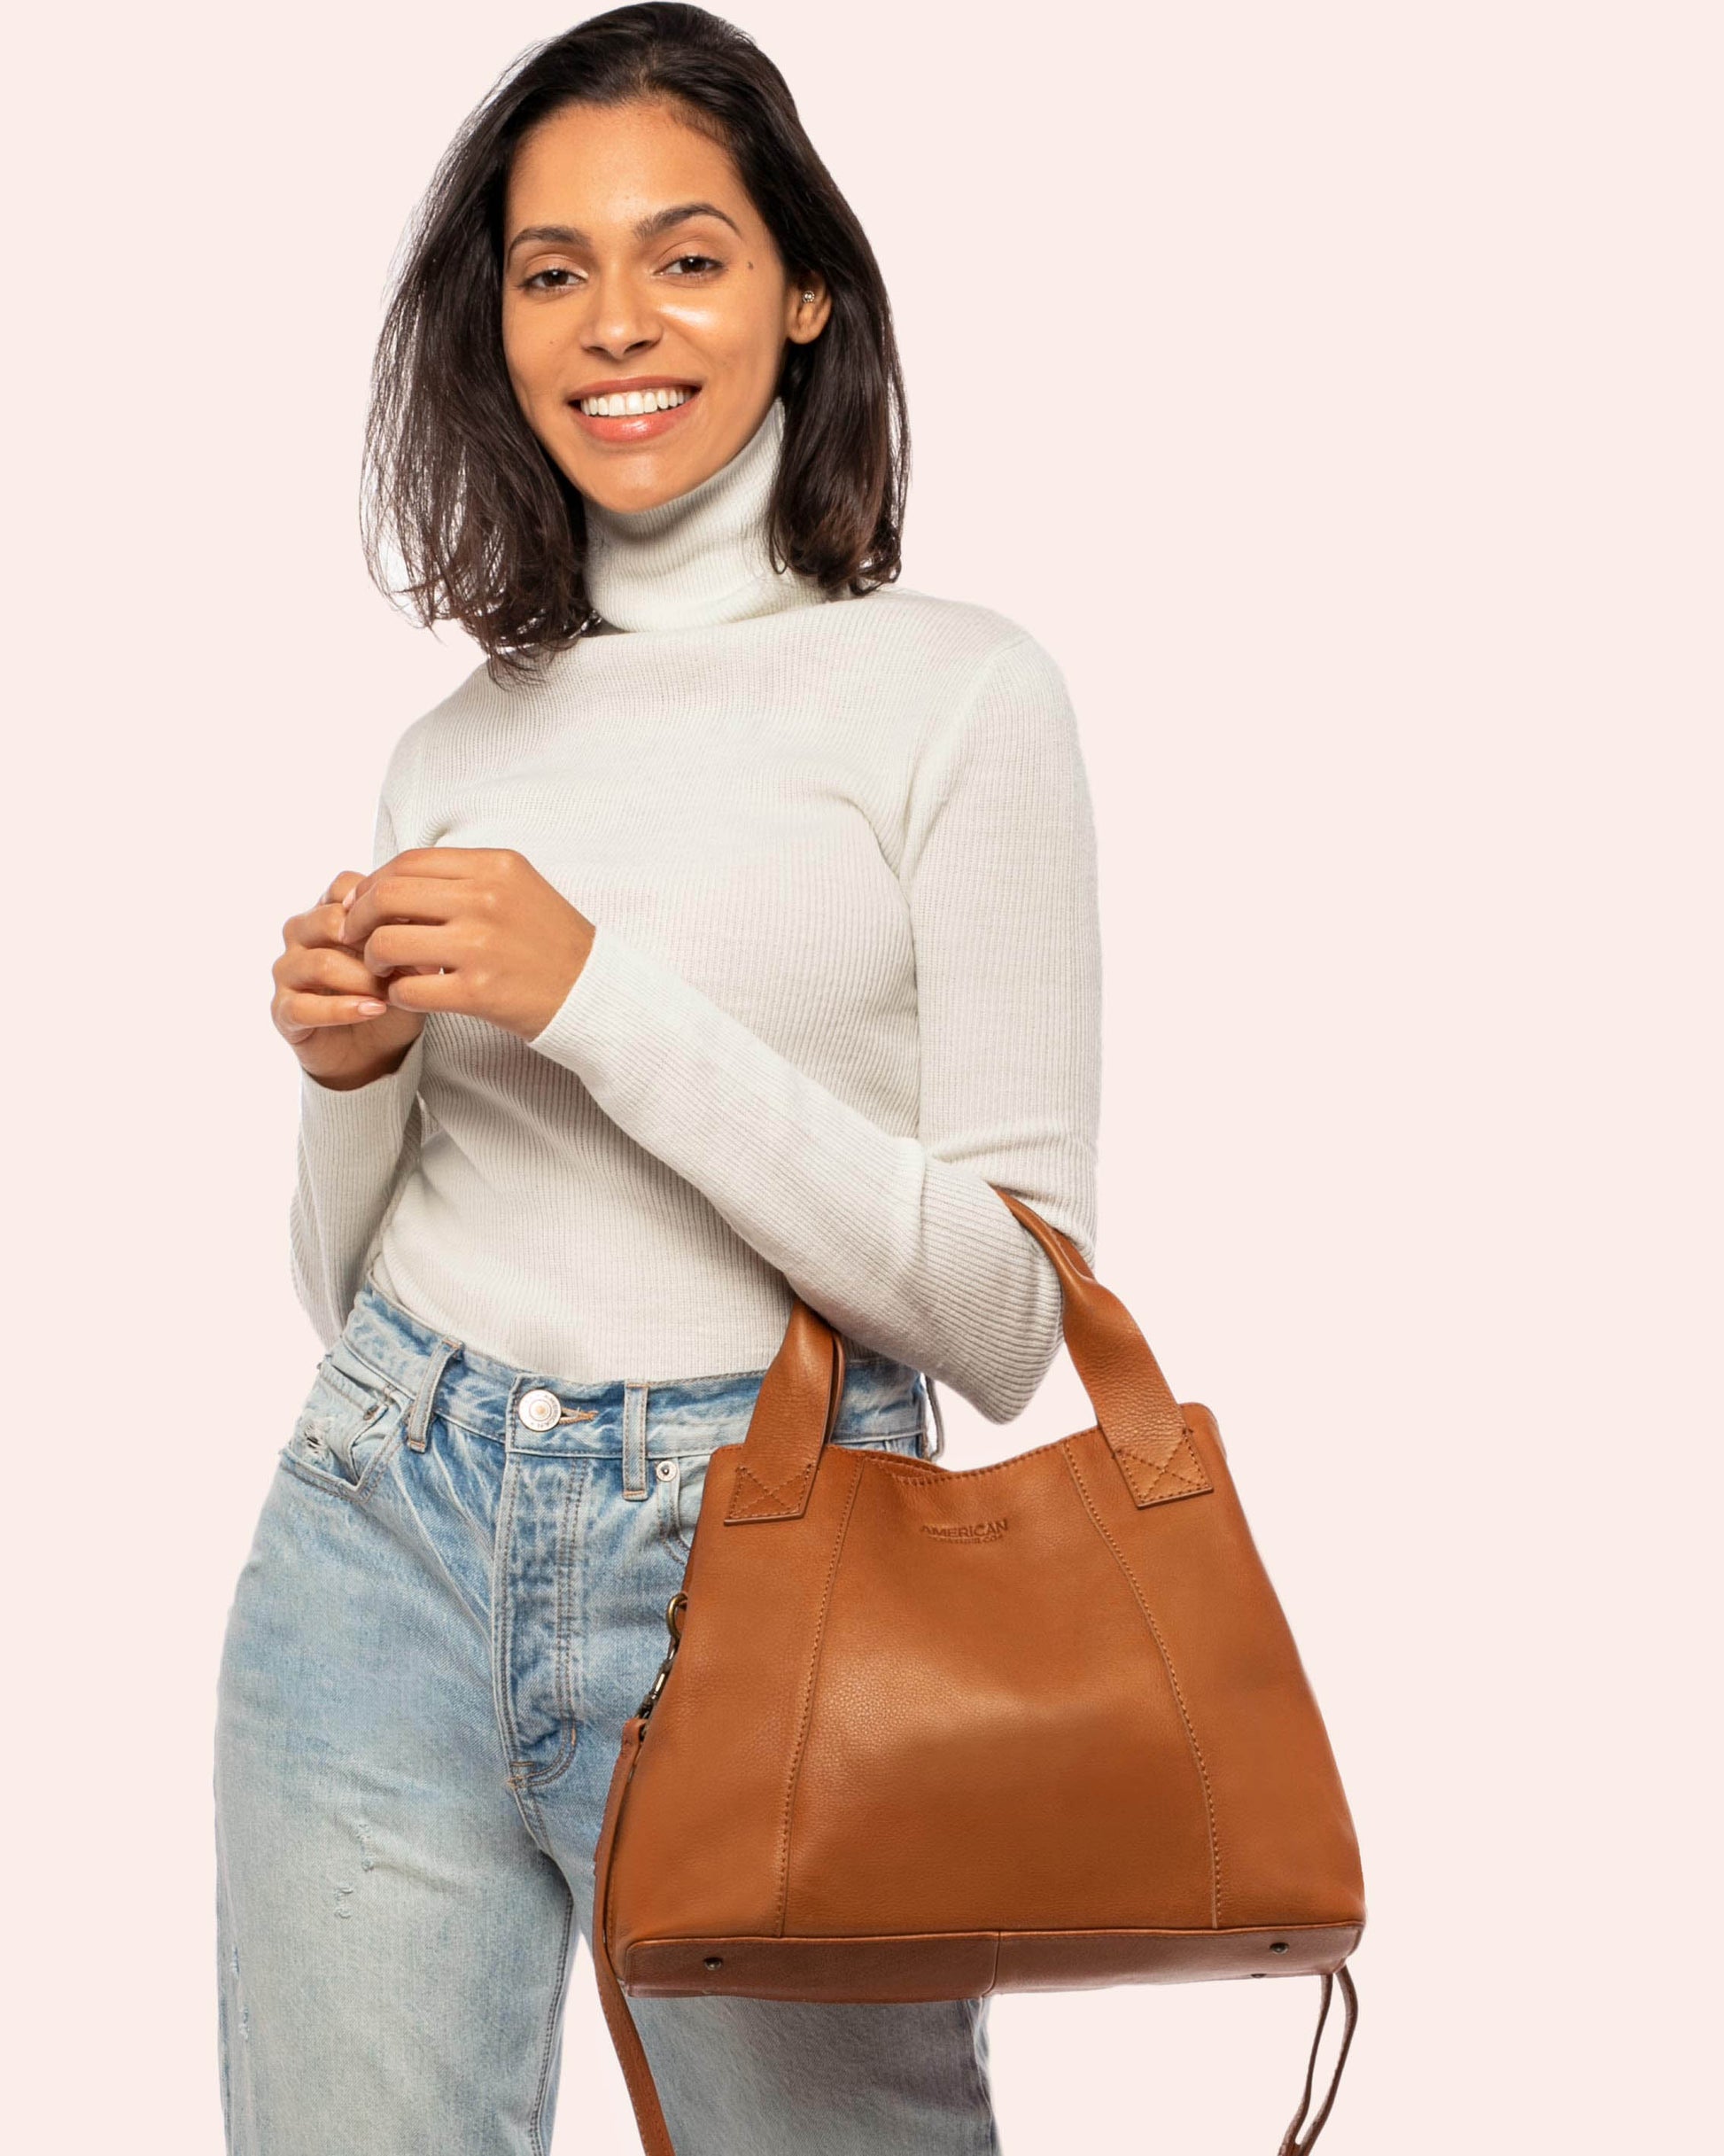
column 470, row 929
column 329, row 1005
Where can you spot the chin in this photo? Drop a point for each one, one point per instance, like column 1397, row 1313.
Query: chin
column 616, row 486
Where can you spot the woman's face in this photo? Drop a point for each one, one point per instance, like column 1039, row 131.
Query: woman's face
column 633, row 262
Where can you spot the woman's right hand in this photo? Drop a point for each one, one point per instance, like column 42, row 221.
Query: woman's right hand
column 329, row 1005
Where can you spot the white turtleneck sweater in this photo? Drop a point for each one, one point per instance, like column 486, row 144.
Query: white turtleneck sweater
column 839, row 859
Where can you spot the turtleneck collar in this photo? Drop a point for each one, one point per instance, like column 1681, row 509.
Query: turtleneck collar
column 701, row 556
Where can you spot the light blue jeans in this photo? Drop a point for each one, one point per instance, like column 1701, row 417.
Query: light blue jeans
column 454, row 1599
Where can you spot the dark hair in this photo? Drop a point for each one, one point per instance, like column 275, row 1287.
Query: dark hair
column 491, row 533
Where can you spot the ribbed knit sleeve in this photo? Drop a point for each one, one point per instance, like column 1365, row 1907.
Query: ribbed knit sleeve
column 898, row 1241
column 356, row 1148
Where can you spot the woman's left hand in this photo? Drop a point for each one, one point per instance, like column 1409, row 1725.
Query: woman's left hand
column 470, row 929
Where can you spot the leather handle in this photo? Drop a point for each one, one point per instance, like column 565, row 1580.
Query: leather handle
column 1135, row 1408
column 795, row 1412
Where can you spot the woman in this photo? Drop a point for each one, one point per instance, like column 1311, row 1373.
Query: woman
column 731, row 928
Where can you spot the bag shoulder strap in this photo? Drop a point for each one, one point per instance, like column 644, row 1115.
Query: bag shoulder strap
column 630, row 2055
column 1291, row 2143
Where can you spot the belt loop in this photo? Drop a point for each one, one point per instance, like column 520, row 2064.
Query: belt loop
column 932, row 1400
column 418, row 1428
column 634, row 1440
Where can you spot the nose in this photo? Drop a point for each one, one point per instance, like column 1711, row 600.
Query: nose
column 619, row 321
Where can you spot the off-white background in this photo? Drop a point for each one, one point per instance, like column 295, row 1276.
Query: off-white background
column 1335, row 391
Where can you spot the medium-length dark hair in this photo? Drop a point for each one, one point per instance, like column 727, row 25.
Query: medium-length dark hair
column 490, row 532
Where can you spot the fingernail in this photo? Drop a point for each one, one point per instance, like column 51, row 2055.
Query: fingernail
column 372, row 1009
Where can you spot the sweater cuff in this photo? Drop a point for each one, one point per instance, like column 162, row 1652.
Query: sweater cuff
column 603, row 1027
column 364, row 1123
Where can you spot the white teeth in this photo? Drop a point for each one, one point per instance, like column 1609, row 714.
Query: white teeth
column 633, row 402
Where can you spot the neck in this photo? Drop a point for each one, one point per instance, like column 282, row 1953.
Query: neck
column 701, row 557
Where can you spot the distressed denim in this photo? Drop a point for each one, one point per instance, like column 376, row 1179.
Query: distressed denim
column 446, row 1616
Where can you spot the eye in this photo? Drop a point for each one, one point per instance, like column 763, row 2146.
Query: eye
column 532, row 283
column 704, row 262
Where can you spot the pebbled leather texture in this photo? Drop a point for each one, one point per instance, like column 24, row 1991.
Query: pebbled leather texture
column 930, row 1734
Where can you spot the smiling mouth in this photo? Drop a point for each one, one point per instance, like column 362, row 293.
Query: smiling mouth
column 633, row 403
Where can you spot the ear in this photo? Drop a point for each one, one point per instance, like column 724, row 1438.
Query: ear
column 805, row 318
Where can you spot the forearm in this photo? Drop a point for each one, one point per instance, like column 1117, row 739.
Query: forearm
column 901, row 1246
column 355, row 1149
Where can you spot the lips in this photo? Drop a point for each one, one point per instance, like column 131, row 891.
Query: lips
column 628, row 427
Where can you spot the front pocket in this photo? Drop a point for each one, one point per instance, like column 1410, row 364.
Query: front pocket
column 350, row 1423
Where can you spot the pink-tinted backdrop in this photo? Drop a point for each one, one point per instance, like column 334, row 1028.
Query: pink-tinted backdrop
column 1335, row 391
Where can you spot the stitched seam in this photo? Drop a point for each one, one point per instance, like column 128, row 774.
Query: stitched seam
column 1121, row 1559
column 574, row 1507
column 807, row 1714
column 1172, row 1469
column 1189, row 1478
column 775, row 1490
column 385, row 1382
column 548, row 2050
column 369, row 1414
column 683, row 1539
column 536, row 1777
column 347, row 1389
column 501, row 1612
column 946, row 1475
column 318, row 1481
column 652, row 1943
column 533, row 1817
column 601, row 1914
column 358, row 1494
column 1161, row 1487
column 493, row 1435
column 375, row 1469
column 772, row 1492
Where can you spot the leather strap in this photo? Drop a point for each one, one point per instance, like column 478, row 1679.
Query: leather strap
column 794, row 1412
column 643, row 2094
column 1134, row 1404
column 1291, row 2143
column 1135, row 1408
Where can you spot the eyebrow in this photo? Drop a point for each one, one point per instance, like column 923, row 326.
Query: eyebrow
column 647, row 227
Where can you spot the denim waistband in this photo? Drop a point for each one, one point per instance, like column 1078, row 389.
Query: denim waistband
column 441, row 1374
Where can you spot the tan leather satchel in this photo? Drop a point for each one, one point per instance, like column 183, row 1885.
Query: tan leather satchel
column 926, row 1734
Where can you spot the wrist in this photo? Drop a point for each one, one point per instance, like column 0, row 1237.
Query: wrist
column 355, row 1081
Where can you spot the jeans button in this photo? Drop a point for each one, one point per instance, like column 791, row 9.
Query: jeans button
column 666, row 1471
column 539, row 1410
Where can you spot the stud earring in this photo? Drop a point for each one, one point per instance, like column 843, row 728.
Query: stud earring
column 808, row 298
